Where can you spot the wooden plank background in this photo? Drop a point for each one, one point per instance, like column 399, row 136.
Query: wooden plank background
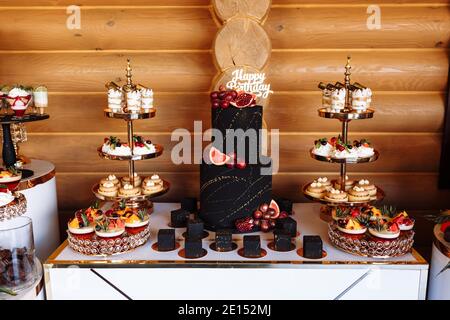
column 169, row 42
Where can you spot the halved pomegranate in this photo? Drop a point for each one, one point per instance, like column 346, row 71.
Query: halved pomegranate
column 243, row 100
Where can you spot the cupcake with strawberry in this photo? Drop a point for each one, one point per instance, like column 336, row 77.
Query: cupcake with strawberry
column 19, row 98
column 142, row 146
column 344, row 151
column 403, row 221
column 384, row 229
column 113, row 146
column 82, row 224
column 10, row 177
column 322, row 147
column 109, row 227
column 363, row 148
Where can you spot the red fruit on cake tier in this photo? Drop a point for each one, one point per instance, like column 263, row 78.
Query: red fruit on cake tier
column 445, row 225
column 243, row 100
column 245, row 224
column 217, row 157
column 276, row 209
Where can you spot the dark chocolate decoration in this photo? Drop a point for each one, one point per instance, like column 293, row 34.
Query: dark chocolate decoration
column 282, row 240
column 252, row 246
column 233, row 118
column 312, row 247
column 179, row 218
column 288, row 224
column 189, row 204
column 195, row 228
column 229, row 194
column 224, row 240
column 193, row 247
column 166, row 239
column 285, row 204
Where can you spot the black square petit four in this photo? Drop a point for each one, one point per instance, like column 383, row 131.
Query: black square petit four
column 189, row 204
column 193, row 247
column 195, row 228
column 285, row 205
column 224, row 240
column 282, row 240
column 179, row 218
column 166, row 239
column 252, row 246
column 288, row 224
column 312, row 247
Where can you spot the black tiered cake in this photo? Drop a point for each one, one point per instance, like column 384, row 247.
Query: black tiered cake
column 228, row 193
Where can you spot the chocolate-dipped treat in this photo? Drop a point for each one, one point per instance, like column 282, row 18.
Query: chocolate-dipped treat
column 193, row 248
column 312, row 247
column 189, row 204
column 195, row 228
column 282, row 240
column 166, row 240
column 179, row 218
column 288, row 224
column 224, row 240
column 252, row 246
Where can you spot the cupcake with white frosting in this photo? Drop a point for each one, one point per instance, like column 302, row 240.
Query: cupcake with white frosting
column 149, row 187
column 369, row 187
column 108, row 189
column 115, row 100
column 322, row 147
column 335, row 195
column 147, row 99
column 338, row 100
column 111, row 178
column 129, row 191
column 19, row 99
column 137, row 180
column 134, row 101
column 364, row 148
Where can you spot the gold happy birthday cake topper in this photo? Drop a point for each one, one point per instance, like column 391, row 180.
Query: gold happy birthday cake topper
column 250, row 83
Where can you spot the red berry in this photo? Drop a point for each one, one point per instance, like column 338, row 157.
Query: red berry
column 214, row 95
column 257, row 214
column 222, row 95
column 445, row 225
column 263, row 208
column 222, row 87
column 271, row 212
column 267, row 216
column 256, row 222
column 272, row 223
column 228, row 97
column 241, row 164
column 225, row 104
column 233, row 94
column 215, row 103
column 264, row 225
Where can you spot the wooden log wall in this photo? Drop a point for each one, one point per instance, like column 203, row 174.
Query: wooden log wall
column 170, row 43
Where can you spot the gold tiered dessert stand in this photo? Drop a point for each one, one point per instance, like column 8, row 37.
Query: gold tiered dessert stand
column 344, row 117
column 138, row 201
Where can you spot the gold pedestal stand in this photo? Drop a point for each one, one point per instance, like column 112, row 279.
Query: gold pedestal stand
column 345, row 116
column 140, row 201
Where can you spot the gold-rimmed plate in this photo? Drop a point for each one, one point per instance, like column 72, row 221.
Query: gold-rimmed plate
column 135, row 157
column 380, row 196
column 130, row 115
column 329, row 159
column 350, row 115
column 141, row 197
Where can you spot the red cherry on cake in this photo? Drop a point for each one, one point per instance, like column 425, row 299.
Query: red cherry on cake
column 240, row 164
column 222, row 95
column 214, row 95
column 215, row 103
column 283, row 215
column 257, row 214
column 265, row 226
column 445, row 225
column 263, row 208
column 224, row 104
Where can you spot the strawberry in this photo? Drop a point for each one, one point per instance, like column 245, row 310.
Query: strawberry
column 340, row 147
column 393, row 227
column 333, row 141
column 445, row 225
column 355, row 212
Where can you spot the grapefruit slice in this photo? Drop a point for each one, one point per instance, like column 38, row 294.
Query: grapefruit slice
column 243, row 100
column 217, row 157
column 274, row 205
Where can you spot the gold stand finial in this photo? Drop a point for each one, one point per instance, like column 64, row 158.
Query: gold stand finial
column 129, row 75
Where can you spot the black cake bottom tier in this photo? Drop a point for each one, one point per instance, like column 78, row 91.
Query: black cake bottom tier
column 228, row 194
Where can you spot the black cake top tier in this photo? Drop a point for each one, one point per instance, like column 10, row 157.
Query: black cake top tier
column 248, row 119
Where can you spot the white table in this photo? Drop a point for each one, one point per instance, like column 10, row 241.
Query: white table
column 439, row 288
column 146, row 274
column 42, row 206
